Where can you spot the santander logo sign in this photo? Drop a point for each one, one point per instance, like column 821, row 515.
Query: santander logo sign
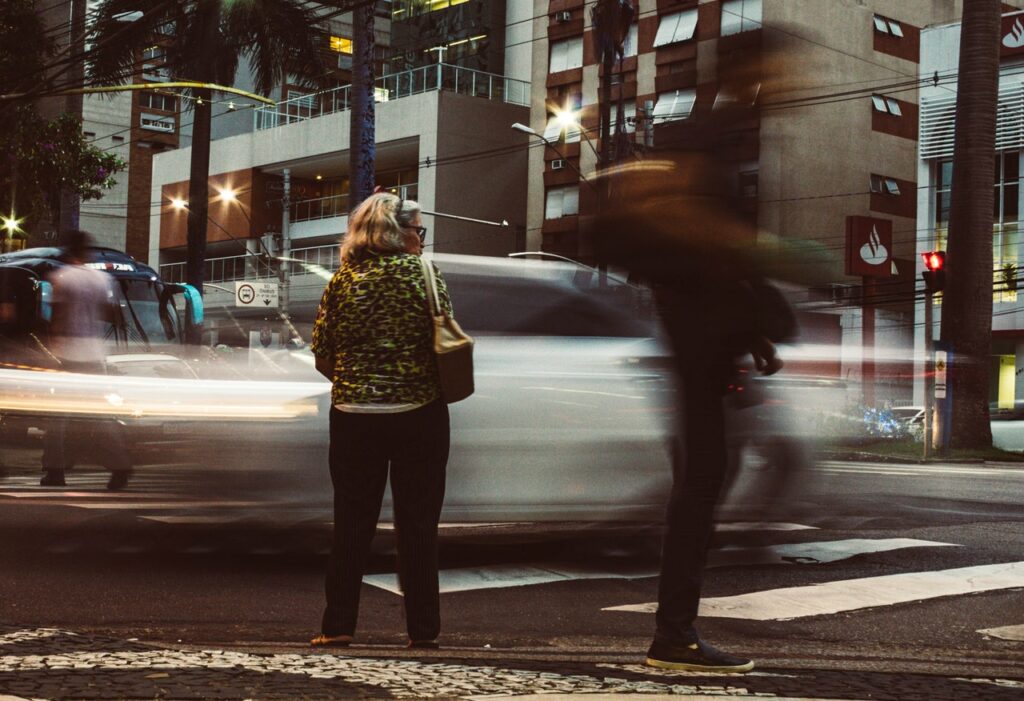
column 1014, row 39
column 1013, row 35
column 874, row 252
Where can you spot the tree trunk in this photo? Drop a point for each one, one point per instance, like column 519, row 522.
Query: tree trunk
column 362, row 139
column 198, row 192
column 967, row 300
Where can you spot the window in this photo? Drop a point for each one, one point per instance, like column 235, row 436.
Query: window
column 884, row 186
column 886, row 105
column 566, row 54
column 629, row 46
column 342, row 45
column 153, row 53
column 679, row 26
column 157, row 101
column 629, row 107
column 117, row 139
column 562, row 202
column 677, row 104
column 884, row 25
column 740, row 16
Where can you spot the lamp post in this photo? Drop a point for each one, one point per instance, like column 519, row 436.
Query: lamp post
column 547, row 142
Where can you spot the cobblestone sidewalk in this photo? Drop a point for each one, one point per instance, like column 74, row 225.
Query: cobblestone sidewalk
column 55, row 664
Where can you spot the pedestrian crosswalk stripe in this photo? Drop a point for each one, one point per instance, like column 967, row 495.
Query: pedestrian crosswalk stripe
column 853, row 594
column 502, row 576
column 1005, row 632
column 826, row 551
column 762, row 526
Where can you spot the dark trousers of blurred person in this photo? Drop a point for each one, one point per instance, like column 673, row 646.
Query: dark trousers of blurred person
column 699, row 469
column 413, row 446
column 68, row 441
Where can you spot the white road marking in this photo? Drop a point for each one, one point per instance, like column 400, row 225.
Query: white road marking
column 853, row 594
column 923, row 469
column 827, row 551
column 502, row 576
column 1005, row 633
column 759, row 526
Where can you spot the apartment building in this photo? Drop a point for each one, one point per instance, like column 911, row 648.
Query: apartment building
column 442, row 138
column 940, row 49
column 825, row 170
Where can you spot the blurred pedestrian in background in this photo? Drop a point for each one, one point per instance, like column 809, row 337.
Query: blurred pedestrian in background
column 83, row 308
column 373, row 339
column 675, row 220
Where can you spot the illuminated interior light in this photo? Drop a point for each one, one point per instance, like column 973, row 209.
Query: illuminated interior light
column 178, row 203
column 227, row 194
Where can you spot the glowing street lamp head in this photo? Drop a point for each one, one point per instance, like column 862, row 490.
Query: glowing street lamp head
column 178, row 203
column 567, row 119
column 10, row 225
column 226, row 194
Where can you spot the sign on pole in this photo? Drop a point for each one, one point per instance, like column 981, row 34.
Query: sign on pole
column 941, row 358
column 256, row 294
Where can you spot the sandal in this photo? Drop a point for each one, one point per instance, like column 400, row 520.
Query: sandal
column 331, row 641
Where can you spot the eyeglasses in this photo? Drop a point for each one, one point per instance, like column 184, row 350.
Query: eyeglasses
column 421, row 231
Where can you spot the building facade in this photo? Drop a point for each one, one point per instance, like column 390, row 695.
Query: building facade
column 826, row 169
column 442, row 138
column 940, row 49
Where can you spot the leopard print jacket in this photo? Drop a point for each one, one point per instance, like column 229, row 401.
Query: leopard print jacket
column 373, row 322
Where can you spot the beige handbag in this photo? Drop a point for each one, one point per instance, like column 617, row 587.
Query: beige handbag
column 453, row 348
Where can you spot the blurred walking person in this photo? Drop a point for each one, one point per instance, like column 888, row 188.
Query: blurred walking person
column 373, row 339
column 83, row 307
column 670, row 224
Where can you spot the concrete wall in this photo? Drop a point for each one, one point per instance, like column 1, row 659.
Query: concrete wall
column 492, row 188
column 109, row 118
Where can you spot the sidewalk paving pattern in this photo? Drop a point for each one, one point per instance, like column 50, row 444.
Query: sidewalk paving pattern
column 55, row 664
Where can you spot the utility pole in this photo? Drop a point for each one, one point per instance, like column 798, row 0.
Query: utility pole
column 967, row 300
column 70, row 203
column 611, row 20
column 284, row 260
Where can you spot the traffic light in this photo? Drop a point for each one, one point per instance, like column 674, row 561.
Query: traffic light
column 934, row 272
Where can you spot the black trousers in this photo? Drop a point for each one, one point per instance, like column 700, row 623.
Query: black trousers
column 414, row 445
column 689, row 521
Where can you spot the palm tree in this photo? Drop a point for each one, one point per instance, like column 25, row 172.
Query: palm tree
column 204, row 41
column 362, row 129
column 967, row 302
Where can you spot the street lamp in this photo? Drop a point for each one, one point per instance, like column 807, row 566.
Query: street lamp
column 567, row 119
column 547, row 142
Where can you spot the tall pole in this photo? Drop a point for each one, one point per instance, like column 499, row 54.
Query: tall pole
column 284, row 261
column 70, row 203
column 929, row 376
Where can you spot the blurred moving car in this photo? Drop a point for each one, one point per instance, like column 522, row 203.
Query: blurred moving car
column 572, row 419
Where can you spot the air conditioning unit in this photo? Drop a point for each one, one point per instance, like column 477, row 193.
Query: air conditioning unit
column 557, row 164
column 563, row 16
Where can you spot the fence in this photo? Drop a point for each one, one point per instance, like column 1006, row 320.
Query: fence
column 337, row 205
column 254, row 267
column 440, row 76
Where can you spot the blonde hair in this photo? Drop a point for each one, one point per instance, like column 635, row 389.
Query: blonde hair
column 375, row 227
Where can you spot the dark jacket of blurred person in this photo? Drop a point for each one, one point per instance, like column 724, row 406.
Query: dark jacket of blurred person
column 373, row 339
column 668, row 221
column 82, row 301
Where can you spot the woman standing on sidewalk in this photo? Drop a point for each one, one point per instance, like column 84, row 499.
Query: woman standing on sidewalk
column 373, row 339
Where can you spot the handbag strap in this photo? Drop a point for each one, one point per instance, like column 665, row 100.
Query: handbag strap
column 431, row 285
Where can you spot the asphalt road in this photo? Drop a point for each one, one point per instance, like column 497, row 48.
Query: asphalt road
column 165, row 566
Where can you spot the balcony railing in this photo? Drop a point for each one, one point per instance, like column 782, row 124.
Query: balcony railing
column 253, row 267
column 337, row 205
column 441, row 76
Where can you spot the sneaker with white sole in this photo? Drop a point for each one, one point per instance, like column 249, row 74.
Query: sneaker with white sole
column 696, row 657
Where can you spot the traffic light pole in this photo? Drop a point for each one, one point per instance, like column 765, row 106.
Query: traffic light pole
column 929, row 372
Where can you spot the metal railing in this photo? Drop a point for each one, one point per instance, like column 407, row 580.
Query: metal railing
column 337, row 205
column 440, row 76
column 256, row 267
column 223, row 269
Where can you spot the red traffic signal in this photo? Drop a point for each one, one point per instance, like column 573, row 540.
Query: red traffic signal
column 934, row 273
column 934, row 260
